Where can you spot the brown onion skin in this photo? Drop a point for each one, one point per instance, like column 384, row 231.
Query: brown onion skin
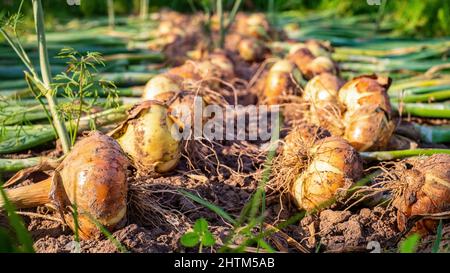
column 94, row 176
column 427, row 191
column 333, row 165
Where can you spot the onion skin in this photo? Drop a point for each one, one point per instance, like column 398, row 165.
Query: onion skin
column 251, row 50
column 187, row 71
column 321, row 65
column 318, row 48
column 279, row 82
column 321, row 92
column 366, row 90
column 94, row 176
column 160, row 85
column 146, row 137
column 426, row 191
column 368, row 128
column 322, row 89
column 302, row 58
column 333, row 165
column 255, row 25
column 368, row 122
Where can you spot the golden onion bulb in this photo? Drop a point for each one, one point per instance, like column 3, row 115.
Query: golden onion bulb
column 321, row 65
column 149, row 137
column 333, row 165
column 368, row 121
column 318, row 49
column 322, row 89
column 251, row 50
column 161, row 85
column 279, row 81
column 368, row 128
column 366, row 90
column 302, row 57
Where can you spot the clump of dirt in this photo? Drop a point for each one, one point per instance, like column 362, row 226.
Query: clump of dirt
column 344, row 231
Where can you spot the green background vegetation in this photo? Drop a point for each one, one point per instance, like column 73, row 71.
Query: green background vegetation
column 418, row 18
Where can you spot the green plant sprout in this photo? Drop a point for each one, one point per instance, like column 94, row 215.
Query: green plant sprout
column 199, row 236
column 410, row 244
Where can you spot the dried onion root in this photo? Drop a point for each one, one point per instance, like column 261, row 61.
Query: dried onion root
column 93, row 177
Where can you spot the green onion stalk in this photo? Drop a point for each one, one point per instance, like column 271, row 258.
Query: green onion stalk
column 400, row 154
column 15, row 165
column 433, row 134
column 111, row 17
column 144, row 9
column 426, row 110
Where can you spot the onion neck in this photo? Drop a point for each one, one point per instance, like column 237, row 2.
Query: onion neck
column 29, row 196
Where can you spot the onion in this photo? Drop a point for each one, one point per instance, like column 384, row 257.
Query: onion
column 366, row 90
column 320, row 65
column 318, row 49
column 367, row 119
column 93, row 176
column 321, row 92
column 149, row 139
column 161, row 85
column 302, row 57
column 368, row 128
column 322, row 89
column 255, row 25
column 333, row 165
column 251, row 50
column 279, row 82
column 423, row 187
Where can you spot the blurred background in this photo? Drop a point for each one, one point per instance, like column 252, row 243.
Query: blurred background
column 410, row 18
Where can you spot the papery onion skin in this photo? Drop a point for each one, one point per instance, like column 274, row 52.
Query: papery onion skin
column 368, row 121
column 147, row 137
column 279, row 82
column 366, row 90
column 94, row 175
column 425, row 189
column 333, row 165
column 321, row 65
column 322, row 89
column 368, row 128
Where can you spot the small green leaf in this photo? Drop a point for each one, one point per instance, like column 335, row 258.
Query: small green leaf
column 190, row 239
column 409, row 245
column 201, row 226
column 208, row 239
column 437, row 242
